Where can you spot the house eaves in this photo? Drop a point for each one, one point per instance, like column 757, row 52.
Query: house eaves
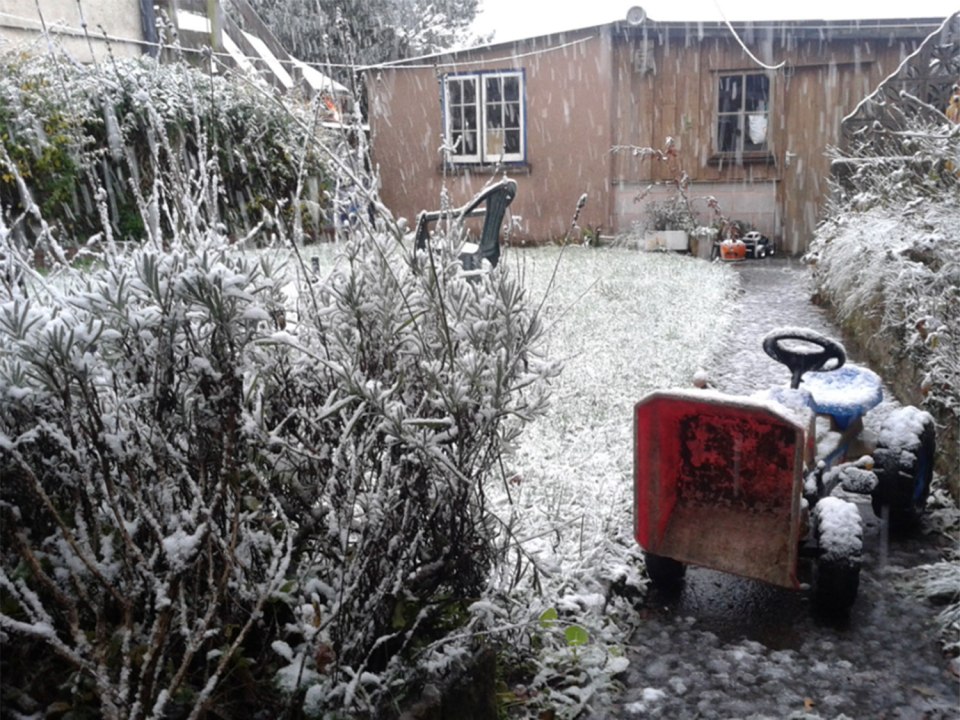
column 886, row 29
column 822, row 30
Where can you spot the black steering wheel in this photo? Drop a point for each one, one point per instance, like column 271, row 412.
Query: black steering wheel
column 797, row 358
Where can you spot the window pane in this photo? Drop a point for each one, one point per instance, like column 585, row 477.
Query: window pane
column 727, row 131
column 511, row 115
column 758, row 93
column 493, row 109
column 494, row 140
column 493, row 90
column 730, row 95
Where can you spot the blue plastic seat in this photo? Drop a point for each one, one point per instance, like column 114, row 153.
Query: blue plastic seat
column 845, row 394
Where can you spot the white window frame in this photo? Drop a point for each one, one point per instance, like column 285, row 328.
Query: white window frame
column 743, row 117
column 485, row 153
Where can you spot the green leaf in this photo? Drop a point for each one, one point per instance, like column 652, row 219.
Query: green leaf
column 576, row 635
column 548, row 617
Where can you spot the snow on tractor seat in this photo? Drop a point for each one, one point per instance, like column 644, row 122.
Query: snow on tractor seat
column 845, row 394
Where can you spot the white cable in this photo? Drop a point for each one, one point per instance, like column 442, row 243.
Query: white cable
column 402, row 63
column 753, row 57
column 79, row 32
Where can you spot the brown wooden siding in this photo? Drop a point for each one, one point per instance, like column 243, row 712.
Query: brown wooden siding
column 568, row 112
column 587, row 97
column 821, row 82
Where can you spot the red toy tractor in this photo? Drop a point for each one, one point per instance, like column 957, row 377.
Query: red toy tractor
column 749, row 485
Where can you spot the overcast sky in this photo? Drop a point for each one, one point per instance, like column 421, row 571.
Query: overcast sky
column 512, row 19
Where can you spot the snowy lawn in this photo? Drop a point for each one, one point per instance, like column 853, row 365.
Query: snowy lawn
column 624, row 323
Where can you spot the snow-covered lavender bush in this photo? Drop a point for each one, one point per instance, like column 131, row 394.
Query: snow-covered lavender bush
column 187, row 485
column 141, row 539
column 218, row 498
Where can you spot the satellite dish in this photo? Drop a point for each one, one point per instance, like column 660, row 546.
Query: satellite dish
column 636, row 15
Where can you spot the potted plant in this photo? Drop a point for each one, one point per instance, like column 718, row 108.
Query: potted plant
column 669, row 223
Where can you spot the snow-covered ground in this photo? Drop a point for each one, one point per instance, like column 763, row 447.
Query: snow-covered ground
column 626, row 323
column 729, row 647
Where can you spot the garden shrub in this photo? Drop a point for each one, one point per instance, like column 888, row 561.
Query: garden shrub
column 887, row 259
column 125, row 128
column 189, row 487
column 221, row 498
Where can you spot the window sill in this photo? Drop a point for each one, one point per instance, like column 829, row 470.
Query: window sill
column 728, row 159
column 517, row 168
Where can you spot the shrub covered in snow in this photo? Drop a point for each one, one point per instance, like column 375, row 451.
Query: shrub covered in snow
column 888, row 260
column 218, row 495
column 188, row 484
column 126, row 129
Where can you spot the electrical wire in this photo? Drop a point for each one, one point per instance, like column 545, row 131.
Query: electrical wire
column 736, row 36
column 62, row 28
column 402, row 64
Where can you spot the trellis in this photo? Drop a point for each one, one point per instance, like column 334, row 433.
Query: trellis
column 920, row 89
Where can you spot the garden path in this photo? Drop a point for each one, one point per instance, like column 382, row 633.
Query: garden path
column 728, row 647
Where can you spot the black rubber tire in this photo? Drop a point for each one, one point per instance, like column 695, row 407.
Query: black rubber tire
column 836, row 570
column 904, row 486
column 663, row 571
column 835, row 585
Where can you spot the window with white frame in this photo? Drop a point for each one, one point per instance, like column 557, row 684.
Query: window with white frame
column 743, row 114
column 484, row 117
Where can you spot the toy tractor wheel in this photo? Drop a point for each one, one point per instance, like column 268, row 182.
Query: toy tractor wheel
column 904, row 469
column 663, row 571
column 836, row 572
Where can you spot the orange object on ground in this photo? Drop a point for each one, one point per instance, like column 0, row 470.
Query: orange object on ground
column 733, row 251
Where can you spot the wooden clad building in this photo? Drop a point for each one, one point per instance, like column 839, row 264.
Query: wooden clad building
column 750, row 110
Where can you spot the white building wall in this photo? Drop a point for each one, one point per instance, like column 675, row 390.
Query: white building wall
column 755, row 203
column 21, row 25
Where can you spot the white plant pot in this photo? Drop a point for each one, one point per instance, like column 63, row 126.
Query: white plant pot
column 666, row 240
